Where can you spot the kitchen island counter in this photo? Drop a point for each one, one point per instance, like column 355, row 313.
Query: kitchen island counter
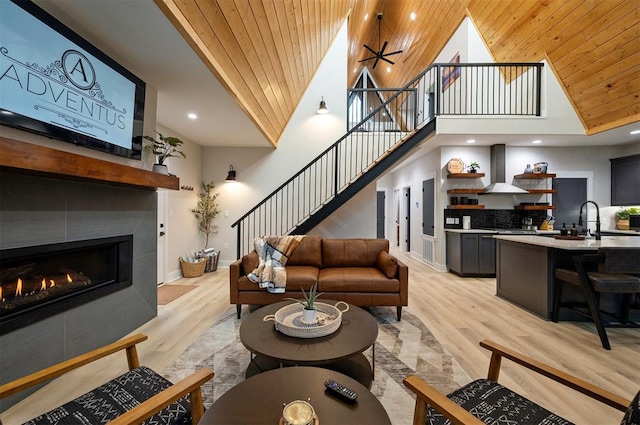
column 525, row 266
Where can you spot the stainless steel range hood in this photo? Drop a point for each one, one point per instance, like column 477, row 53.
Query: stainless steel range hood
column 498, row 184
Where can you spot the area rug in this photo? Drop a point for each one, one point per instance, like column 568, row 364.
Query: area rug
column 402, row 348
column 168, row 293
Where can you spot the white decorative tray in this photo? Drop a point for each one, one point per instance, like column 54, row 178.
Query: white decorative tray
column 289, row 320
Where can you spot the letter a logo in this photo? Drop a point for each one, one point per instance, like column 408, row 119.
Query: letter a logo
column 78, row 69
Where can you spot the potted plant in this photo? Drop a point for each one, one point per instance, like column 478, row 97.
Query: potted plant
column 309, row 311
column 206, row 211
column 622, row 222
column 473, row 167
column 164, row 147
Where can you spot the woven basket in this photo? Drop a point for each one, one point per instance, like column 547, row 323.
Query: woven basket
column 192, row 269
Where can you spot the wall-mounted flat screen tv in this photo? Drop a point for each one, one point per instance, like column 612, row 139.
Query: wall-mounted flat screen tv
column 55, row 83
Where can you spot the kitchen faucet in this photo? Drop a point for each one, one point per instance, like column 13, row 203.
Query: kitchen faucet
column 598, row 235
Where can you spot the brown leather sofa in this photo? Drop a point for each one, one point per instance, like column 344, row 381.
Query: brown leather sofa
column 358, row 271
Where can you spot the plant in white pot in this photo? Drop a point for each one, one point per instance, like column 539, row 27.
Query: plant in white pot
column 164, row 147
column 309, row 311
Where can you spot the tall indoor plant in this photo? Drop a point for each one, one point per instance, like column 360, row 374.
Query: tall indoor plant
column 164, row 147
column 206, row 211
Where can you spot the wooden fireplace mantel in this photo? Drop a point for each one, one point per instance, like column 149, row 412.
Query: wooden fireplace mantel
column 41, row 160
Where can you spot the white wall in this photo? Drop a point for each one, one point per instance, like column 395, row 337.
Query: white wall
column 182, row 236
column 261, row 171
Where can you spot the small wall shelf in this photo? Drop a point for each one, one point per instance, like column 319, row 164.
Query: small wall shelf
column 534, row 176
column 541, row 191
column 465, row 191
column 534, row 207
column 465, row 207
column 465, row 175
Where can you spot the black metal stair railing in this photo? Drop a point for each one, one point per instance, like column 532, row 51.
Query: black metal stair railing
column 442, row 89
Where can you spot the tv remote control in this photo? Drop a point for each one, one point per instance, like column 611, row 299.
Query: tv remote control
column 341, row 390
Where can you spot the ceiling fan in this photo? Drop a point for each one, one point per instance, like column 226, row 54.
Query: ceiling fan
column 379, row 55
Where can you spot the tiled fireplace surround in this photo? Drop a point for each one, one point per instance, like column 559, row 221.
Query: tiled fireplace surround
column 38, row 210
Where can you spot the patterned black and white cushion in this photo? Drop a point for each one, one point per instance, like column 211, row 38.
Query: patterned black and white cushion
column 117, row 396
column 496, row 405
column 632, row 416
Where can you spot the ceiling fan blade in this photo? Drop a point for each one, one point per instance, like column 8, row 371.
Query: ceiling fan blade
column 384, row 46
column 370, row 49
column 392, row 53
column 376, row 62
column 366, row 59
column 387, row 60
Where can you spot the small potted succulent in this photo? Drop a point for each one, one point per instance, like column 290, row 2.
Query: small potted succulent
column 473, row 167
column 622, row 216
column 309, row 311
column 164, row 147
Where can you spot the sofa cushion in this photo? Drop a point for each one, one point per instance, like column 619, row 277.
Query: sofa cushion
column 250, row 262
column 387, row 264
column 355, row 279
column 352, row 252
column 308, row 253
column 297, row 277
column 117, row 396
column 301, row 277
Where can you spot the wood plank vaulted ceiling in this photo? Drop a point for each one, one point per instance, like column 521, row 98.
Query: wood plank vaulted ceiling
column 265, row 52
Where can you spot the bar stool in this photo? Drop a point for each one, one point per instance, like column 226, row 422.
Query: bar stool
column 612, row 270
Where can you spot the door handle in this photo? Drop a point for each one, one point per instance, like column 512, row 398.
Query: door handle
column 162, row 233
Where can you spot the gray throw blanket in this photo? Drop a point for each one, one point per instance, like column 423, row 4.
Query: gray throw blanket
column 273, row 252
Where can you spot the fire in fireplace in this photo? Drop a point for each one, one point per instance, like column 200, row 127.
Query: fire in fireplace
column 39, row 281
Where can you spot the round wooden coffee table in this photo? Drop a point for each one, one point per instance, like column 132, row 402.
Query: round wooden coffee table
column 260, row 399
column 340, row 351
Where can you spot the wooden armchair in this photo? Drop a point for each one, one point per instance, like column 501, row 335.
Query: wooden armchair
column 138, row 395
column 484, row 401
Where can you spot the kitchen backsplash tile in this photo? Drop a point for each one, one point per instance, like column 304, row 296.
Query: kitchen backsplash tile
column 494, row 219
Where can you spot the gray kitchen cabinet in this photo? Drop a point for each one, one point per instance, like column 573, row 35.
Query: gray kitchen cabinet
column 471, row 254
column 625, row 180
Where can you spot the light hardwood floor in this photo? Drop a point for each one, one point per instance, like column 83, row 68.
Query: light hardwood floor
column 460, row 312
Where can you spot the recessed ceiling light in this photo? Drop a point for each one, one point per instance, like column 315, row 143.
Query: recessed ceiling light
column 366, row 16
column 388, row 69
column 192, row 116
column 634, row 132
column 471, row 141
column 413, row 16
column 536, row 142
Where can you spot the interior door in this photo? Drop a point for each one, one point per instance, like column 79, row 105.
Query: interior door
column 571, row 193
column 406, row 228
column 428, row 206
column 161, row 261
column 380, row 214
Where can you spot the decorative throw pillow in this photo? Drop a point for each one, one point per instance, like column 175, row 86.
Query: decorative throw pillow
column 387, row 264
column 250, row 262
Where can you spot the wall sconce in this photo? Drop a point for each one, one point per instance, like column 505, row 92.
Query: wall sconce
column 323, row 107
column 231, row 177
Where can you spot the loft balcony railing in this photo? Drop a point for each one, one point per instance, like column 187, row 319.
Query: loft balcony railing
column 379, row 120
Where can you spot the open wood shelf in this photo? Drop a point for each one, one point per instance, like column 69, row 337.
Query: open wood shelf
column 40, row 160
column 465, row 207
column 534, row 207
column 534, row 176
column 465, row 191
column 465, row 175
column 540, row 191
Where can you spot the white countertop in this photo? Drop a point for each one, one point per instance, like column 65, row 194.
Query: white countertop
column 495, row 232
column 587, row 244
